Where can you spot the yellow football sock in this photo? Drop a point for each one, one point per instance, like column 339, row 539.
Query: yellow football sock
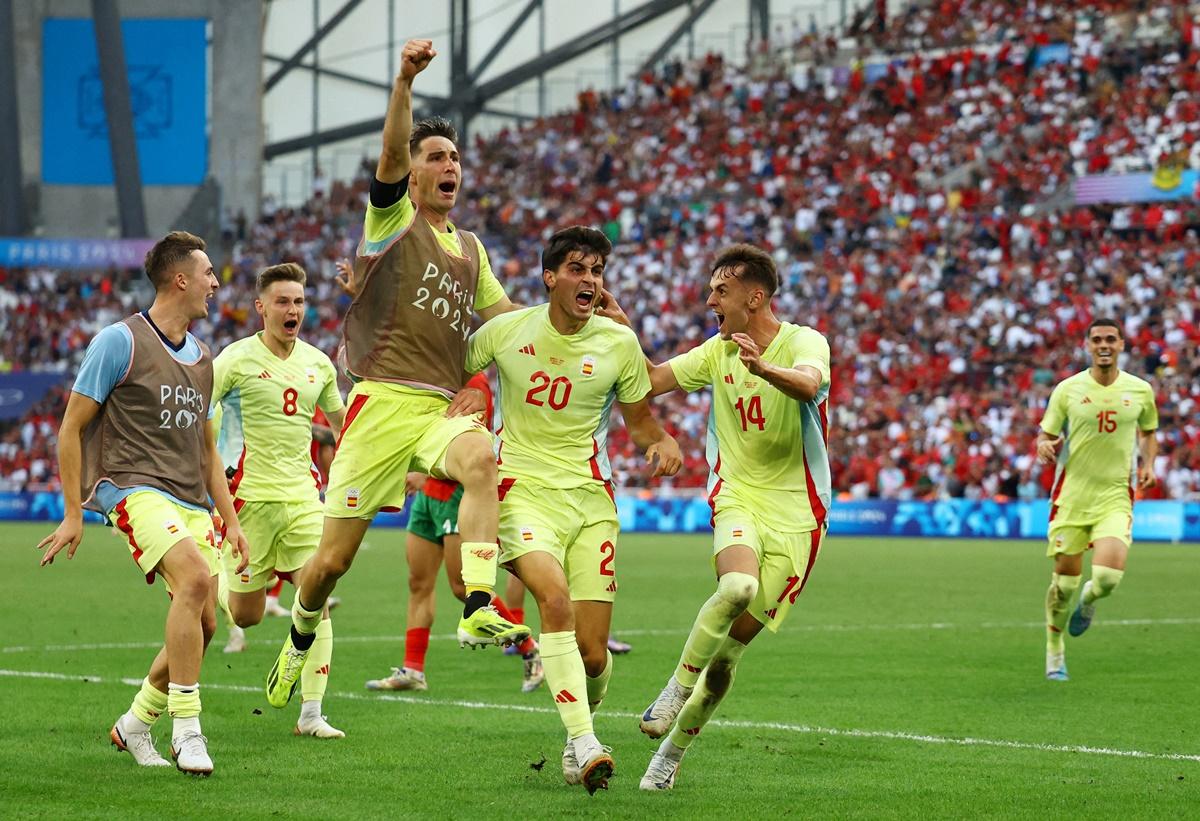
column 567, row 681
column 305, row 621
column 1104, row 582
column 223, row 598
column 149, row 703
column 598, row 686
column 183, row 700
column 734, row 593
column 713, row 686
column 1058, row 609
column 479, row 566
column 314, row 678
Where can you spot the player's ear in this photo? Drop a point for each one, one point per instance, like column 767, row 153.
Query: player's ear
column 548, row 278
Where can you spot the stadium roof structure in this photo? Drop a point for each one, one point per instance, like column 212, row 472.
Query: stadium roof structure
column 476, row 77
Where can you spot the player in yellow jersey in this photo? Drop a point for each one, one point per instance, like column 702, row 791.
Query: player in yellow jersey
column 1097, row 425
column 561, row 371
column 419, row 279
column 769, row 486
column 268, row 387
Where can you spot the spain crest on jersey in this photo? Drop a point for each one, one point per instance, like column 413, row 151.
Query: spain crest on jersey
column 1127, row 400
column 312, row 376
column 588, row 366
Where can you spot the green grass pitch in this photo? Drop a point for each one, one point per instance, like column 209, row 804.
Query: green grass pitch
column 907, row 683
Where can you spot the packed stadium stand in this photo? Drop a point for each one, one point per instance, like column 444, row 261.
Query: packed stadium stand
column 919, row 209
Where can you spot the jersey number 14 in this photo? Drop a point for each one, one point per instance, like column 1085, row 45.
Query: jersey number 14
column 751, row 412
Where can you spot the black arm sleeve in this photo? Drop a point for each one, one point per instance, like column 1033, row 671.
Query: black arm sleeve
column 386, row 194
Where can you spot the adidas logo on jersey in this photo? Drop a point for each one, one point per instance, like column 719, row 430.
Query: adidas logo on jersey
column 729, row 379
column 565, row 697
column 528, row 349
column 264, row 375
column 1087, row 400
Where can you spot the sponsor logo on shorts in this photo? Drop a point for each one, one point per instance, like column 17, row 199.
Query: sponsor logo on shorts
column 737, row 532
column 612, row 587
column 485, row 553
column 771, row 613
column 588, row 367
column 526, row 534
column 1058, row 541
column 172, row 528
column 245, row 577
column 352, row 496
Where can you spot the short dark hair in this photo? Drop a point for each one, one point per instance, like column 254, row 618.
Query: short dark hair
column 283, row 272
column 755, row 265
column 1105, row 323
column 167, row 253
column 430, row 127
column 576, row 238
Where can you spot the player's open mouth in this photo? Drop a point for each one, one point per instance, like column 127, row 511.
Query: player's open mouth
column 447, row 187
column 584, row 299
column 291, row 324
column 720, row 318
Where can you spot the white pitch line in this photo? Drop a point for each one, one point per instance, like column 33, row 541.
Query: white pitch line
column 804, row 729
column 799, row 628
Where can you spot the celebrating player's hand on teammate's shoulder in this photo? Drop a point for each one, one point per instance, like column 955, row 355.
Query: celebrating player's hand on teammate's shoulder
column 607, row 306
column 415, row 57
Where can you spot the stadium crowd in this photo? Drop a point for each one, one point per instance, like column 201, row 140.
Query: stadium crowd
column 918, row 219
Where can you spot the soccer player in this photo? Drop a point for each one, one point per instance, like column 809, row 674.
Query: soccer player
column 404, row 341
column 432, row 533
column 769, row 486
column 269, row 386
column 135, row 446
column 1110, row 419
column 561, row 370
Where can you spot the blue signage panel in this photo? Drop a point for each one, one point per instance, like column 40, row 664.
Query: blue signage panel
column 166, row 63
column 30, row 252
column 19, row 391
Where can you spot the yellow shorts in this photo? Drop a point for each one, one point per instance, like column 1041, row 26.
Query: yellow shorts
column 785, row 560
column 1073, row 535
column 152, row 524
column 282, row 535
column 386, row 434
column 577, row 526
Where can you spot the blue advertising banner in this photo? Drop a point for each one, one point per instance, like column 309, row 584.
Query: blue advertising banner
column 24, row 252
column 1165, row 521
column 166, row 63
column 19, row 391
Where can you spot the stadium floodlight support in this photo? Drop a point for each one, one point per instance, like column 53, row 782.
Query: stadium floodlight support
column 311, row 43
column 683, row 28
column 11, row 213
column 118, row 108
column 760, row 19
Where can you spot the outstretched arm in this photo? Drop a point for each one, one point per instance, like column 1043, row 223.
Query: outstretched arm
column 662, row 377
column 394, row 160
